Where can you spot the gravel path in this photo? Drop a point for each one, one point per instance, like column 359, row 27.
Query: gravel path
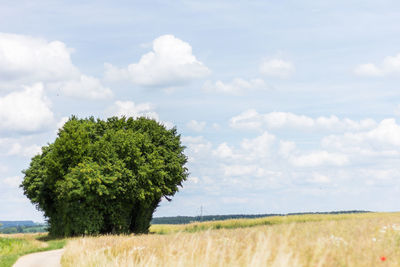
column 48, row 258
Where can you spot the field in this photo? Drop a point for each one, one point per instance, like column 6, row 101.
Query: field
column 14, row 246
column 371, row 239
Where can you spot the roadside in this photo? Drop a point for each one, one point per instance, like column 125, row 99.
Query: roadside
column 14, row 246
column 48, row 258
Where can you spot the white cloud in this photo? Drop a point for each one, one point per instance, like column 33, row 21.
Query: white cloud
column 197, row 144
column 237, row 86
column 130, row 109
column 223, row 151
column 197, row 126
column 384, row 139
column 27, row 58
column 251, row 170
column 318, row 158
column 277, row 68
column 196, row 148
column 216, row 126
column 286, row 148
column 12, row 182
column 368, row 69
column 390, row 65
column 259, row 146
column 171, row 63
column 86, row 87
column 387, row 132
column 18, row 147
column 381, row 174
column 25, row 111
column 287, row 119
column 251, row 119
column 61, row 122
column 194, row 180
column 319, row 179
column 25, row 151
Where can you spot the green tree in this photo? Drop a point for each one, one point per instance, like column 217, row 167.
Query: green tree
column 105, row 176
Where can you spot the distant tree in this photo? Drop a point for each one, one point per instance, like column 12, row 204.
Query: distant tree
column 10, row 230
column 105, row 176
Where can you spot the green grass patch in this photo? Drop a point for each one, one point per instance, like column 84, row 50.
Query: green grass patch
column 11, row 248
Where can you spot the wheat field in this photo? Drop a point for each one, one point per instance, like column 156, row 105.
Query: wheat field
column 315, row 240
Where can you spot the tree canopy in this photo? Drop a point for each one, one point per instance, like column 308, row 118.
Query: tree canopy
column 105, row 176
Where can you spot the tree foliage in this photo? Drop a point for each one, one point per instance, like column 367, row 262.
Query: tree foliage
column 105, row 176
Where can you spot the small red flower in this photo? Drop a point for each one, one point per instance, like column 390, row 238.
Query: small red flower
column 383, row 258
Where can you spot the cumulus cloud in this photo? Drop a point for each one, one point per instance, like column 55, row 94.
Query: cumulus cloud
column 27, row 58
column 286, row 148
column 24, row 150
column 12, row 182
column 28, row 110
column 194, row 180
column 332, row 163
column 61, row 123
column 318, row 158
column 384, row 139
column 389, row 65
column 250, row 149
column 197, row 143
column 197, row 126
column 237, row 86
column 318, row 179
column 171, row 63
column 245, row 170
column 277, row 68
column 197, row 147
column 251, row 119
column 130, row 109
column 259, row 146
column 86, row 87
column 223, row 151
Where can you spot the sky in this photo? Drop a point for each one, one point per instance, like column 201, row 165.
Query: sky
column 283, row 106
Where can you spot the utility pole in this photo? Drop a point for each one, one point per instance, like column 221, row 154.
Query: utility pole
column 201, row 213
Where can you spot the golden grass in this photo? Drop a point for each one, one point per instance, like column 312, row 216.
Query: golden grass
column 243, row 223
column 31, row 240
column 322, row 240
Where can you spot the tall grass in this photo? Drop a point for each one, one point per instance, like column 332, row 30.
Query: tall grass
column 244, row 223
column 322, row 240
column 16, row 245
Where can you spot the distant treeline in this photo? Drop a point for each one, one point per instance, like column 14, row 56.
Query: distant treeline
column 13, row 227
column 189, row 219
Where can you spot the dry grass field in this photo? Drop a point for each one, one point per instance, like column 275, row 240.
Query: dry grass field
column 308, row 240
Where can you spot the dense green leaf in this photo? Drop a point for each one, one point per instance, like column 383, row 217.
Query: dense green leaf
column 105, row 176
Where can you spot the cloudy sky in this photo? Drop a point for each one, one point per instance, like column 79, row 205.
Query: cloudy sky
column 284, row 106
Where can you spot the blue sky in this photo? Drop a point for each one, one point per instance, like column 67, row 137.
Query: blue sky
column 284, row 106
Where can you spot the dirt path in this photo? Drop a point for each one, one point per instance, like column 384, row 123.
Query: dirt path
column 48, row 258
